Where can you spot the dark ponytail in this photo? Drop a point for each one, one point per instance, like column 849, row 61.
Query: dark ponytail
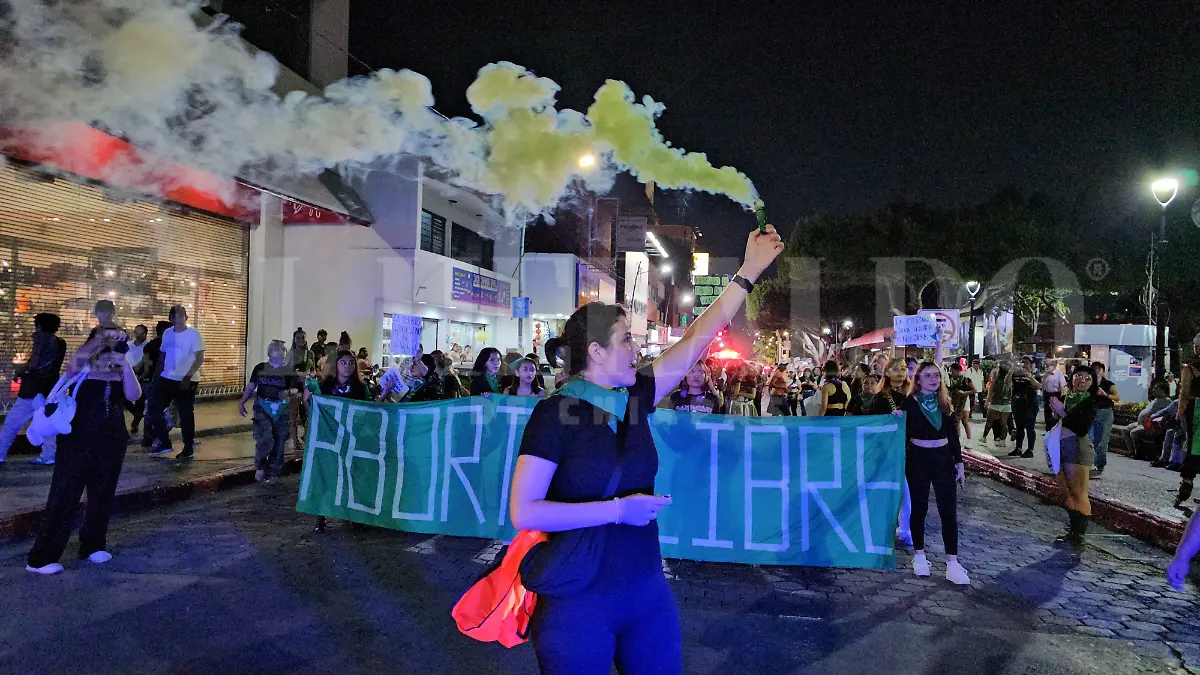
column 591, row 323
column 344, row 340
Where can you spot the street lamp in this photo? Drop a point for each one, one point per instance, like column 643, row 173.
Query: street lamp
column 972, row 289
column 666, row 269
column 847, row 324
column 1164, row 190
column 825, row 330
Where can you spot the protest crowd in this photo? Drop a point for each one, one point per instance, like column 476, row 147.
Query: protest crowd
column 155, row 378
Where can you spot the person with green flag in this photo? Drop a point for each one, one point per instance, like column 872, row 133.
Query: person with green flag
column 1078, row 414
column 573, row 473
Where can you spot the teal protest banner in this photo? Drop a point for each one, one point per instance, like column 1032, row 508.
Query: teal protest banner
column 772, row 491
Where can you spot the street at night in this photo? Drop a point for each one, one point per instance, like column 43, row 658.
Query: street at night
column 350, row 336
column 238, row 582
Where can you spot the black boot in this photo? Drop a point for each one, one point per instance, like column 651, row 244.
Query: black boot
column 1071, row 536
column 1185, row 491
column 1081, row 532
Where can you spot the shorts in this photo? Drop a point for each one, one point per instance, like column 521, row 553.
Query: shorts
column 1076, row 450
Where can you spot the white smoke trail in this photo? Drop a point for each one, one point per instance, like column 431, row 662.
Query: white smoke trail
column 143, row 69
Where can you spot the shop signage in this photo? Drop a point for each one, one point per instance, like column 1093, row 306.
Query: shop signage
column 299, row 213
column 406, row 335
column 708, row 288
column 479, row 289
column 520, row 308
column 750, row 490
column 631, row 233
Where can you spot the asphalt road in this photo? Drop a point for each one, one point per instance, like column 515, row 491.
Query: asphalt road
column 237, row 582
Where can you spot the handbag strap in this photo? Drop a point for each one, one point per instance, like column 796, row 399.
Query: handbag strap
column 622, row 451
column 65, row 383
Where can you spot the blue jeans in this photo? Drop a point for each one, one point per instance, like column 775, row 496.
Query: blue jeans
column 1100, row 434
column 19, row 414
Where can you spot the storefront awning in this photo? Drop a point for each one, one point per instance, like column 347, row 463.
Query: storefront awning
column 307, row 200
column 875, row 338
column 79, row 149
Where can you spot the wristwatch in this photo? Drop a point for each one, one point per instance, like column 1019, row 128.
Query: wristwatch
column 742, row 281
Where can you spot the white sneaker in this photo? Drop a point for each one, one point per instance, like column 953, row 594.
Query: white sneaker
column 956, row 574
column 1001, row 443
column 100, row 557
column 52, row 568
column 904, row 536
column 921, row 566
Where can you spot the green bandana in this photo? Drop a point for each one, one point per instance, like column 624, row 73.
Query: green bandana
column 611, row 401
column 272, row 408
column 1075, row 398
column 491, row 380
column 932, row 409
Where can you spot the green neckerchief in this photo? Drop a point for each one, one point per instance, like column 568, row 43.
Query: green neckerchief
column 611, row 401
column 958, row 383
column 935, row 415
column 491, row 380
column 1075, row 398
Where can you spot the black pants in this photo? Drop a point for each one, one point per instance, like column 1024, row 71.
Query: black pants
column 635, row 627
column 1025, row 421
column 94, row 465
column 932, row 466
column 270, row 436
column 183, row 396
column 138, row 407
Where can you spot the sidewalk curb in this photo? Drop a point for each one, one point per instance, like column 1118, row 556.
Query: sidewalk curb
column 22, row 448
column 1112, row 514
column 24, row 524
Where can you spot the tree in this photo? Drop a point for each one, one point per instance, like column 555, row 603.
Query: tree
column 1032, row 304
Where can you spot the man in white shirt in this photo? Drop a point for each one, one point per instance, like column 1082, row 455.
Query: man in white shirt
column 137, row 350
column 1053, row 386
column 183, row 354
column 975, row 375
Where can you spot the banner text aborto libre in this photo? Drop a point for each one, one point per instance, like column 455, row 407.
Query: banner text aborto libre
column 763, row 490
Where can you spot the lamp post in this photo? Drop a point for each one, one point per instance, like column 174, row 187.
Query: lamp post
column 972, row 289
column 1164, row 190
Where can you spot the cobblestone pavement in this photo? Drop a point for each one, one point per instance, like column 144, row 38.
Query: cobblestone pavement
column 237, row 582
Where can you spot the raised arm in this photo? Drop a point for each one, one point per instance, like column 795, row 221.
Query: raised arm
column 670, row 368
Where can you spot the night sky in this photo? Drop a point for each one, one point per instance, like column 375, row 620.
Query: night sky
column 845, row 108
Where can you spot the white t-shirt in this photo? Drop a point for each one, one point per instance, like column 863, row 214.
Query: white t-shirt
column 134, row 355
column 975, row 375
column 179, row 349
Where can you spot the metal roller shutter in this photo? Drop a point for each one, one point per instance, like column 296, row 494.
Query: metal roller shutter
column 64, row 245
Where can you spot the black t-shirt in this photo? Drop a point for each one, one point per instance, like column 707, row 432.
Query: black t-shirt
column 273, row 382
column 152, row 360
column 882, row 406
column 42, row 376
column 1104, row 402
column 1024, row 396
column 704, row 403
column 353, row 389
column 318, row 351
column 576, row 436
column 1080, row 418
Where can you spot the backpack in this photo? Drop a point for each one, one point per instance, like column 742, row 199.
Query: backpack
column 498, row 607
